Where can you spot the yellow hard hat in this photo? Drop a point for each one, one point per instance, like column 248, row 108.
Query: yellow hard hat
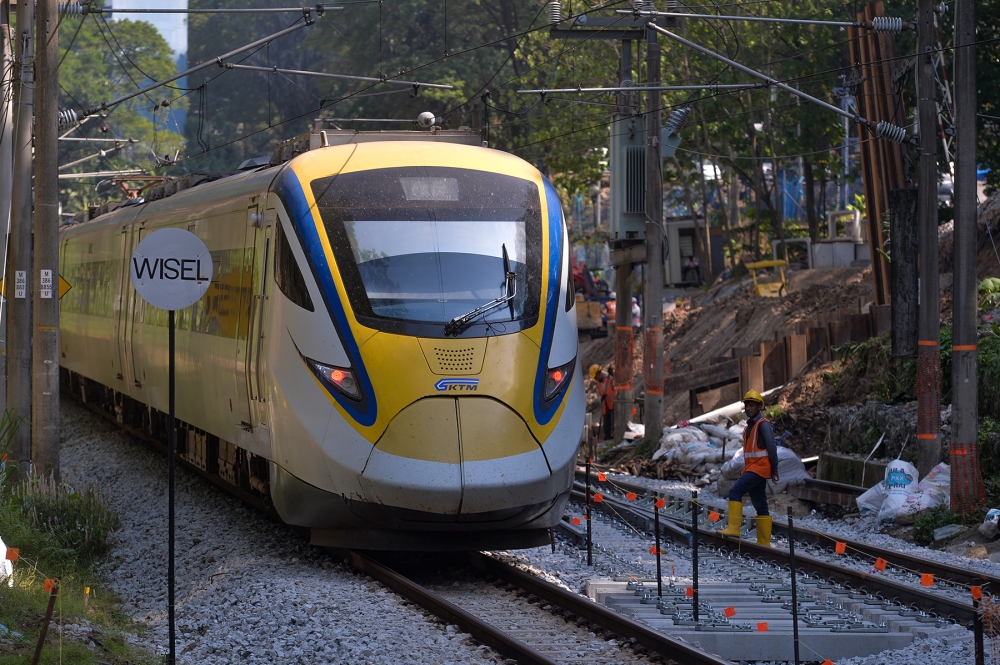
column 594, row 369
column 753, row 396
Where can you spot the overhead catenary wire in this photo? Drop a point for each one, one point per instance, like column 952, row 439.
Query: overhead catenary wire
column 882, row 24
column 300, row 72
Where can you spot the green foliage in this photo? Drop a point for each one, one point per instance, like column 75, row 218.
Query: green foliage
column 989, row 293
column 59, row 527
column 645, row 448
column 989, row 459
column 868, row 367
column 106, row 60
column 774, row 412
column 933, row 518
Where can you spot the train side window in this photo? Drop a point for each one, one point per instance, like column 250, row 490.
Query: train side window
column 287, row 273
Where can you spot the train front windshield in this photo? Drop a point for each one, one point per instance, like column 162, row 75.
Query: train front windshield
column 419, row 246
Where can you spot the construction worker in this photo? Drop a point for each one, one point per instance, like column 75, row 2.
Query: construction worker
column 606, row 389
column 760, row 459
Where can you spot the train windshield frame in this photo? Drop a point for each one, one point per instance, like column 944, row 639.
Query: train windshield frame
column 418, row 246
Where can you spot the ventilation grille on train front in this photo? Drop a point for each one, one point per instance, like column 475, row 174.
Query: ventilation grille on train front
column 456, row 360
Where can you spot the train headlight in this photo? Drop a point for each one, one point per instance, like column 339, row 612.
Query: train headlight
column 557, row 378
column 340, row 379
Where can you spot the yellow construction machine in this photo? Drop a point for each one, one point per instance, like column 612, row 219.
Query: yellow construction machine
column 768, row 289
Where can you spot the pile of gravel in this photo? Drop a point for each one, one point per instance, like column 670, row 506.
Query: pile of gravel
column 249, row 590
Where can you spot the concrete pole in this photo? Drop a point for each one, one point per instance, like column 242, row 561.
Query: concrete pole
column 6, row 175
column 929, row 325
column 624, row 343
column 967, row 491
column 19, row 267
column 45, row 354
column 623, row 349
column 652, row 361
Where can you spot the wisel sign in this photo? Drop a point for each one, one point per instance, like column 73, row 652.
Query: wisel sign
column 171, row 269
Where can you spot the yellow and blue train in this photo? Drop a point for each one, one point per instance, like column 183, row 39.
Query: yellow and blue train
column 387, row 355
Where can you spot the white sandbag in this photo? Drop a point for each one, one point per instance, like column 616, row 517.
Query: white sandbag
column 736, row 431
column 791, row 470
column 6, row 567
column 872, row 499
column 900, row 482
column 732, row 469
column 933, row 490
column 715, row 430
column 989, row 526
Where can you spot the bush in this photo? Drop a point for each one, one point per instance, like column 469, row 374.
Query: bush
column 934, row 518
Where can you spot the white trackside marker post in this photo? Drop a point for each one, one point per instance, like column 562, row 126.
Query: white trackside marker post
column 171, row 269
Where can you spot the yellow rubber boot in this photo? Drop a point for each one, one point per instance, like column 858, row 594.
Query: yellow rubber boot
column 764, row 530
column 735, row 520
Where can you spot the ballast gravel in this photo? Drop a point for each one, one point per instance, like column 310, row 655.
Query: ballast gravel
column 248, row 590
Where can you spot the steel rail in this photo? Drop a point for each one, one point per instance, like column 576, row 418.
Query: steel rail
column 510, row 647
column 665, row 645
column 873, row 583
column 893, row 558
column 479, row 629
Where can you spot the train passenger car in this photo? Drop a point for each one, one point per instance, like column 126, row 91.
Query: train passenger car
column 387, row 354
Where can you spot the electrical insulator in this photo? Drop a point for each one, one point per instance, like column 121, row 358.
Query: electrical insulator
column 887, row 24
column 67, row 117
column 677, row 120
column 644, row 5
column 72, row 9
column 426, row 120
column 555, row 12
column 885, row 130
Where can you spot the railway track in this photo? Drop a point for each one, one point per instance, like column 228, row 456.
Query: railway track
column 811, row 538
column 525, row 618
column 897, row 586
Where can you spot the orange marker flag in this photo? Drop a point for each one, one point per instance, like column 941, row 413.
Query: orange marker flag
column 660, row 503
column 48, row 585
column 713, row 516
column 631, row 496
column 652, row 550
column 730, row 612
column 689, row 592
column 926, row 579
column 761, row 626
column 13, row 554
column 840, row 548
column 977, row 592
column 880, row 564
column 827, row 662
column 576, row 520
column 598, row 498
column 602, row 477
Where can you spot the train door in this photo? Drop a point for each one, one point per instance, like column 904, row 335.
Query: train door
column 262, row 225
column 248, row 303
column 134, row 315
column 124, row 287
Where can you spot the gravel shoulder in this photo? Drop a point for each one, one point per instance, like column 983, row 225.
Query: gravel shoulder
column 249, row 590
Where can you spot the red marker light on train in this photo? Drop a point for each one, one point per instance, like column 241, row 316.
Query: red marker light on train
column 557, row 378
column 340, row 379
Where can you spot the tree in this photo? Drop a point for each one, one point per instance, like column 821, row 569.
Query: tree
column 105, row 60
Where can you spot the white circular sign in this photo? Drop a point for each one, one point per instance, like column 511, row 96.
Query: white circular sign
column 171, row 269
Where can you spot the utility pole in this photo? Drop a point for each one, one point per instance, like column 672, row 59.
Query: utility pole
column 45, row 353
column 967, row 490
column 652, row 362
column 929, row 325
column 19, row 270
column 624, row 342
column 6, row 172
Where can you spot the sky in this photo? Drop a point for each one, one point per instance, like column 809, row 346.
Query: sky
column 173, row 27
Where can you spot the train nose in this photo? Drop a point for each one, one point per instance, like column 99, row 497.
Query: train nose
column 462, row 459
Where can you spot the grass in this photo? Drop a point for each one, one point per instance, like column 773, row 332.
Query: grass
column 60, row 532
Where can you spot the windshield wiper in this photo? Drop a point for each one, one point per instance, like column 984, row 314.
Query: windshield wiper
column 459, row 323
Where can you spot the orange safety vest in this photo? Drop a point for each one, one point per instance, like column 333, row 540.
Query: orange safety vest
column 606, row 389
column 755, row 457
